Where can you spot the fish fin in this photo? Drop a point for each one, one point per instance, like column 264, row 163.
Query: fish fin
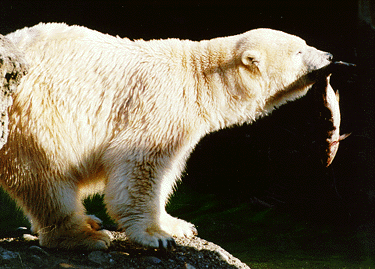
column 342, row 137
column 337, row 96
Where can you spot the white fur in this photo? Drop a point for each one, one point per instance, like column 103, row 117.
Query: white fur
column 101, row 109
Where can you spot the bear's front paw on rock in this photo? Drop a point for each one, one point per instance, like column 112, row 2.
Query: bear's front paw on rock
column 178, row 227
column 160, row 235
column 150, row 236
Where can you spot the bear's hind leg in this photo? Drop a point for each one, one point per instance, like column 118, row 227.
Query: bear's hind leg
column 57, row 215
column 76, row 231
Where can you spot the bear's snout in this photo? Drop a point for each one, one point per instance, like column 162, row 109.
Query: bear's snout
column 329, row 56
column 316, row 59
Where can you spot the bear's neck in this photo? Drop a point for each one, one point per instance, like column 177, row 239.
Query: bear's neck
column 222, row 97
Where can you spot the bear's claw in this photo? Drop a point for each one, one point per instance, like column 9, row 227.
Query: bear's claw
column 167, row 244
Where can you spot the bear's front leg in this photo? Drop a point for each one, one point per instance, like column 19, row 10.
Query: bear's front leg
column 136, row 195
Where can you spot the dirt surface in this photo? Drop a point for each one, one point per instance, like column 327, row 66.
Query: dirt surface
column 24, row 252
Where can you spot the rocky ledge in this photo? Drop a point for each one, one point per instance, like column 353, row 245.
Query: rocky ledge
column 24, row 252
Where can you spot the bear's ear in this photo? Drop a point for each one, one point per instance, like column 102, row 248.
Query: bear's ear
column 251, row 58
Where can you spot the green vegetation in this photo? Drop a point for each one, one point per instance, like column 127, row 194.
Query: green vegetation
column 11, row 217
column 95, row 206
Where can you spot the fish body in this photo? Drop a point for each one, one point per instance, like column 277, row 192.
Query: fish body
column 331, row 102
column 328, row 108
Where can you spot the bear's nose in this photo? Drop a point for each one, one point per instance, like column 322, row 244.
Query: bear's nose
column 329, row 56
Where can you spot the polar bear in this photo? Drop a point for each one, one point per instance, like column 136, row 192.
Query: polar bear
column 102, row 112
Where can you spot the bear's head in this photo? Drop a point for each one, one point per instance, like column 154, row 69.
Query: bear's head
column 277, row 64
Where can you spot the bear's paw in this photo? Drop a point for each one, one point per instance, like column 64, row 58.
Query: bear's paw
column 178, row 227
column 84, row 236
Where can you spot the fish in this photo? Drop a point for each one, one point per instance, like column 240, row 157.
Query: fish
column 330, row 115
column 331, row 102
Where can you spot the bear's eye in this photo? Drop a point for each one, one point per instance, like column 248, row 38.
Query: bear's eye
column 299, row 52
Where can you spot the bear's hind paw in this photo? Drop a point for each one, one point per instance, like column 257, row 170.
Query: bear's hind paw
column 100, row 241
column 94, row 222
column 86, row 238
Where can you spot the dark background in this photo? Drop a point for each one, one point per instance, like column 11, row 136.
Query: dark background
column 275, row 161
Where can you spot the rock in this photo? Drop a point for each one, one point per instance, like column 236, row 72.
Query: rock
column 189, row 266
column 209, row 254
column 12, row 68
column 39, row 251
column 6, row 255
column 10, row 259
column 36, row 260
column 100, row 257
column 223, row 254
column 152, row 260
column 193, row 253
